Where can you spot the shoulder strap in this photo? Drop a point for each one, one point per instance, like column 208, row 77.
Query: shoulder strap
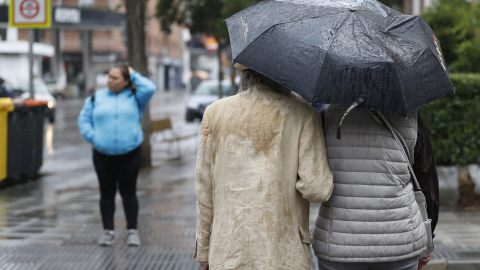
column 398, row 137
column 92, row 98
column 419, row 197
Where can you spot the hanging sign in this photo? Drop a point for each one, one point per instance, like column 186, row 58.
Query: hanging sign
column 29, row 13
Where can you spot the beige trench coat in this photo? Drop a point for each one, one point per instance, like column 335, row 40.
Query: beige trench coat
column 261, row 160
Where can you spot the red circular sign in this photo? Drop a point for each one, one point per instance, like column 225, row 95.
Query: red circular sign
column 29, row 8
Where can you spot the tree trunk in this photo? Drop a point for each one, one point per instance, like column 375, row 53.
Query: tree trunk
column 137, row 58
column 407, row 6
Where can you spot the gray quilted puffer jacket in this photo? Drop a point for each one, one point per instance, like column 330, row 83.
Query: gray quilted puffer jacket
column 372, row 215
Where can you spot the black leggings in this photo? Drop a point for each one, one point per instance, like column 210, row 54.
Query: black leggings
column 122, row 170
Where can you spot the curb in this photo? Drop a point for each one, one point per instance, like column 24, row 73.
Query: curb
column 438, row 264
column 473, row 264
column 444, row 264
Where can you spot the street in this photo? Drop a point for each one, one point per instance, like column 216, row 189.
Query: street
column 53, row 222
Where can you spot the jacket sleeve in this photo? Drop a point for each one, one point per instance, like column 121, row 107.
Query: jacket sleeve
column 203, row 186
column 315, row 180
column 85, row 120
column 426, row 172
column 145, row 89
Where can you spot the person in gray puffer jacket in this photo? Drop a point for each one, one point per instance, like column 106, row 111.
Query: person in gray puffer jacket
column 372, row 220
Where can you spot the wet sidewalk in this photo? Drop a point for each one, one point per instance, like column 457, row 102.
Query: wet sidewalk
column 54, row 222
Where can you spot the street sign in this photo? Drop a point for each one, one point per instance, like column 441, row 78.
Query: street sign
column 30, row 13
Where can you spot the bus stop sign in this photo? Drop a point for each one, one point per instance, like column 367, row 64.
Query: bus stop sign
column 30, row 13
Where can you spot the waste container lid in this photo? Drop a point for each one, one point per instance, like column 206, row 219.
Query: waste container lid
column 6, row 104
column 33, row 102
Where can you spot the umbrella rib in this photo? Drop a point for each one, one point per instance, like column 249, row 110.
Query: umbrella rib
column 303, row 19
column 390, row 28
column 387, row 53
column 328, row 50
column 287, row 22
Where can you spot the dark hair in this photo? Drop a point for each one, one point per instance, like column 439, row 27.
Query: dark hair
column 1, row 80
column 250, row 78
column 126, row 76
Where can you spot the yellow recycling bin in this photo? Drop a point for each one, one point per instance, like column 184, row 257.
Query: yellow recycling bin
column 6, row 105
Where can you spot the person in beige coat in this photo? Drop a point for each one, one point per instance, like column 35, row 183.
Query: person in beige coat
column 261, row 161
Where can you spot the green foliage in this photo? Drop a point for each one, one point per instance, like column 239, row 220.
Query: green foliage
column 454, row 122
column 201, row 16
column 457, row 24
column 168, row 12
column 208, row 16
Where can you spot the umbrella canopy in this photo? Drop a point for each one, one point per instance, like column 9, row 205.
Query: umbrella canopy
column 340, row 51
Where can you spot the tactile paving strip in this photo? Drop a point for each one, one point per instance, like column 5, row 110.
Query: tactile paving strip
column 95, row 257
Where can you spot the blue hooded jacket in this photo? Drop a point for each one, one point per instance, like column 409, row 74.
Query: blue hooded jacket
column 112, row 122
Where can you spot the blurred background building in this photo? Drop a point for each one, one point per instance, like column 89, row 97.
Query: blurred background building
column 88, row 38
column 416, row 7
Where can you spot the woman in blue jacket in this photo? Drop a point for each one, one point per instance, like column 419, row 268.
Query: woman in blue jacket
column 110, row 121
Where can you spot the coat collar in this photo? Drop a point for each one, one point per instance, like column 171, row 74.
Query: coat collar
column 265, row 90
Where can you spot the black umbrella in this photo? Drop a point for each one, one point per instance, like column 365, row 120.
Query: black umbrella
column 339, row 52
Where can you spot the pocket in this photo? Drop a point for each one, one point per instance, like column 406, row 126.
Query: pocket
column 304, row 237
column 301, row 258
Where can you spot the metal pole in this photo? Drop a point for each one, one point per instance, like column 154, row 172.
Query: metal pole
column 31, row 39
column 56, row 60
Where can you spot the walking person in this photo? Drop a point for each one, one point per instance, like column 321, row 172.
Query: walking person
column 372, row 220
column 110, row 121
column 261, row 161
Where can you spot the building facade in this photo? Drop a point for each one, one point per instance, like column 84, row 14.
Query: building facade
column 85, row 70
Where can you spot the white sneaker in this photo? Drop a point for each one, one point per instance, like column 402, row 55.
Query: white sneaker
column 132, row 238
column 107, row 238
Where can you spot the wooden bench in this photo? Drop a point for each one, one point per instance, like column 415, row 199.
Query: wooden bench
column 162, row 131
